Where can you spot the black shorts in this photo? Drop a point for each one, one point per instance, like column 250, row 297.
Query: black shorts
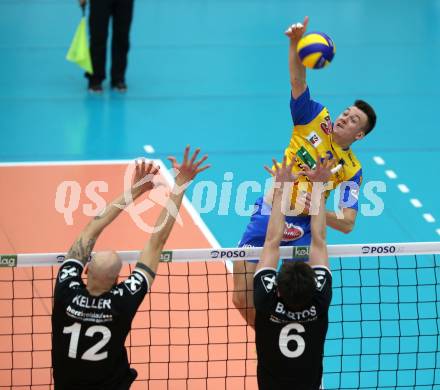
column 124, row 384
column 267, row 381
column 128, row 381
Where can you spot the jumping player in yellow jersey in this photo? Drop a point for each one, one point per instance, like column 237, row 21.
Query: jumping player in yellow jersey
column 314, row 137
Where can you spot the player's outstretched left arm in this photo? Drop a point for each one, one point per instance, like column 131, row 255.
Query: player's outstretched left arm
column 284, row 179
column 142, row 182
column 186, row 172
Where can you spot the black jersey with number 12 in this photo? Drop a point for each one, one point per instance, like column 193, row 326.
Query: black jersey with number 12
column 89, row 332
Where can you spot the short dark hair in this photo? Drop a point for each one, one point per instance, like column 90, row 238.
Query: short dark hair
column 296, row 284
column 369, row 111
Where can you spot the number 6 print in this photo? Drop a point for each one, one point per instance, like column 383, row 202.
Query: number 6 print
column 285, row 338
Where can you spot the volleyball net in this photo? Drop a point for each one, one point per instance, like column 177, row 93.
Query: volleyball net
column 383, row 331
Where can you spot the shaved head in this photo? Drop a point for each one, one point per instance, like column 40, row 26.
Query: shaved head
column 104, row 268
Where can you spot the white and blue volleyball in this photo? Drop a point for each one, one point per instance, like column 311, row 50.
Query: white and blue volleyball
column 316, row 50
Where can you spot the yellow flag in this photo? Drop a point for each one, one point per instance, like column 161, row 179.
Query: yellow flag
column 79, row 52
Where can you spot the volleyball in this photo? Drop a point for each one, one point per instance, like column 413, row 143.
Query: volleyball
column 316, row 50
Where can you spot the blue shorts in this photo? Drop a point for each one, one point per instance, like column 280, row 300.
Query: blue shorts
column 296, row 230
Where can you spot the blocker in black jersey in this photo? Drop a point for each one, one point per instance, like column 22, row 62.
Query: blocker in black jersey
column 90, row 322
column 89, row 332
column 290, row 345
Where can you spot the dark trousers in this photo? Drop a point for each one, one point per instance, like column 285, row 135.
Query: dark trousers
column 121, row 12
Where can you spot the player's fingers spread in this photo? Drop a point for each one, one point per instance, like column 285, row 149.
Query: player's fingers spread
column 185, row 155
column 201, row 161
column 204, row 158
column 194, row 156
column 203, row 168
column 275, row 164
column 173, row 160
column 309, row 173
column 270, row 171
column 150, row 167
column 155, row 170
column 330, row 164
column 318, row 163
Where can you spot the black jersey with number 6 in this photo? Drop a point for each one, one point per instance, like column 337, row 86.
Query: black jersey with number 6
column 290, row 344
column 89, row 332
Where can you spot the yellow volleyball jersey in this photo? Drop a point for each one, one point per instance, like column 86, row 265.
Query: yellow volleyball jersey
column 312, row 139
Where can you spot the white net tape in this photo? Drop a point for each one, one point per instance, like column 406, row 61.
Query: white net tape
column 216, row 254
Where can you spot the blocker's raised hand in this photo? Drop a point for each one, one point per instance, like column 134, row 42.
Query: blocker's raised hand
column 144, row 176
column 321, row 173
column 189, row 168
column 282, row 173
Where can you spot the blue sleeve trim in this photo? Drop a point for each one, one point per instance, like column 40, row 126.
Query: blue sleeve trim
column 303, row 109
column 350, row 192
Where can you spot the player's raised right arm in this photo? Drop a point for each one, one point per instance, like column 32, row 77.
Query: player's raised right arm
column 186, row 172
column 296, row 68
column 319, row 176
column 284, row 179
column 142, row 182
column 318, row 247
